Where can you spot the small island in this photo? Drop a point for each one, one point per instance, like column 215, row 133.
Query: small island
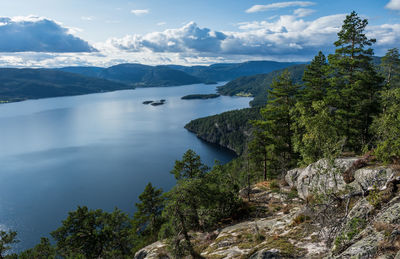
column 160, row 102
column 155, row 103
column 200, row 96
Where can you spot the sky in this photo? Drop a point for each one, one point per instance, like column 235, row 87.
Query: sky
column 57, row 33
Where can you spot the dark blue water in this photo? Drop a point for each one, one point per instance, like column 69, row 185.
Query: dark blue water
column 97, row 150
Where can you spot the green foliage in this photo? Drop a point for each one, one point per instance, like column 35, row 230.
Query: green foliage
column 94, row 234
column 276, row 122
column 197, row 202
column 387, row 128
column 190, row 167
column 7, row 239
column 391, row 68
column 258, row 85
column 354, row 83
column 316, row 135
column 228, row 129
column 199, row 96
column 147, row 220
column 315, row 81
column 354, row 227
column 43, row 250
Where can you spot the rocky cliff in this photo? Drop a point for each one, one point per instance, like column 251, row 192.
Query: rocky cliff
column 346, row 208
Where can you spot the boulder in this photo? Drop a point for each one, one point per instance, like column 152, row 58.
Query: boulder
column 320, row 176
column 324, row 177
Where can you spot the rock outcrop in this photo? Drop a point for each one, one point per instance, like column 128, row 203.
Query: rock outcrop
column 283, row 225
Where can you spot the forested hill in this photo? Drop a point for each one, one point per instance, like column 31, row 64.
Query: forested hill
column 169, row 75
column 230, row 71
column 21, row 84
column 257, row 85
column 231, row 129
column 138, row 75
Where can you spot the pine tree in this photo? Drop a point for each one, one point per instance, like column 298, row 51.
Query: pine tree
column 315, row 81
column 147, row 219
column 353, row 82
column 276, row 123
column 189, row 167
column 391, row 68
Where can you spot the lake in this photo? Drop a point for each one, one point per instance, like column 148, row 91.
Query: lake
column 97, row 150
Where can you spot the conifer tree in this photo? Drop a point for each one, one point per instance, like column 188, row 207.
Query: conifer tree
column 189, row 167
column 148, row 219
column 276, row 123
column 391, row 68
column 315, row 81
column 354, row 83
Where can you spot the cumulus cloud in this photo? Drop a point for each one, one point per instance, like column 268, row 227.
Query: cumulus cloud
column 287, row 36
column 189, row 37
column 139, row 12
column 19, row 34
column 393, row 5
column 274, row 6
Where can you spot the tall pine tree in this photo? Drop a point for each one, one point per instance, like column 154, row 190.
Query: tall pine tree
column 354, row 83
column 276, row 123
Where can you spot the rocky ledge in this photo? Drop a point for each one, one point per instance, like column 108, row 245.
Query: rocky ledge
column 346, row 208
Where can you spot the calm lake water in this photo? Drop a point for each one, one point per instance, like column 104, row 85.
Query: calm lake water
column 98, row 150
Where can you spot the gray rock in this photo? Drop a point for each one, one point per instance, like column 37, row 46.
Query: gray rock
column 156, row 250
column 292, row 175
column 320, row 176
column 390, row 215
column 398, row 255
column 363, row 249
column 370, row 177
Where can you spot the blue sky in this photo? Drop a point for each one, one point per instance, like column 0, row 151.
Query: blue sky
column 53, row 33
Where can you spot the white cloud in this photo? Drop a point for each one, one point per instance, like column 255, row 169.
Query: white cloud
column 393, row 5
column 139, row 12
column 161, row 23
column 303, row 12
column 289, row 36
column 286, row 38
column 33, row 33
column 261, row 8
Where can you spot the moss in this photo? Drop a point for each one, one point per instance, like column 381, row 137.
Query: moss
column 283, row 245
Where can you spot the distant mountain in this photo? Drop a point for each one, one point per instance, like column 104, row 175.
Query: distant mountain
column 170, row 75
column 230, row 71
column 21, row 84
column 138, row 75
column 257, row 85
